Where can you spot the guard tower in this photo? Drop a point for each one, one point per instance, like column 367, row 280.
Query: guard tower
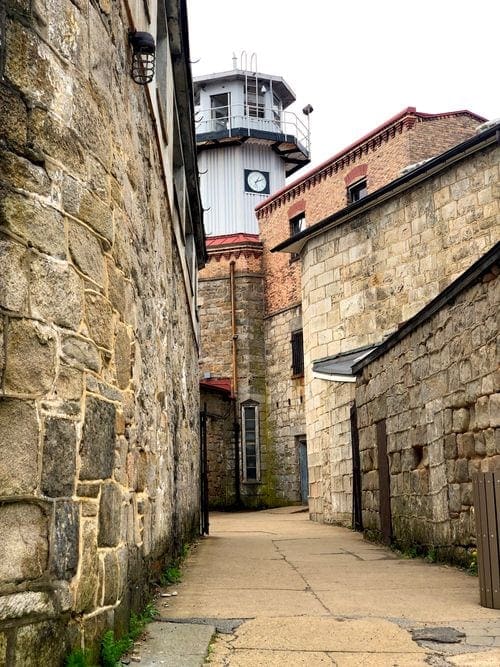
column 247, row 143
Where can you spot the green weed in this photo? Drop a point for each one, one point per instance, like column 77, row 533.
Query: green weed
column 78, row 658
column 171, row 575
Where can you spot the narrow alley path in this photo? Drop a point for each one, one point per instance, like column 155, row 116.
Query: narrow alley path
column 286, row 591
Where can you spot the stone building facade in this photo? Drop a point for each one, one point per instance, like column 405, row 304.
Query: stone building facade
column 100, row 237
column 428, row 401
column 370, row 267
column 374, row 161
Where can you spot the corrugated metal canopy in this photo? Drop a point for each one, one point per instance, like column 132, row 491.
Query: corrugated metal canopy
column 339, row 367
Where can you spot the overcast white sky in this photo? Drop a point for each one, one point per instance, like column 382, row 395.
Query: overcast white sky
column 358, row 63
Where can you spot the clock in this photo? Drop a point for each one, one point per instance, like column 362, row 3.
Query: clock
column 257, row 181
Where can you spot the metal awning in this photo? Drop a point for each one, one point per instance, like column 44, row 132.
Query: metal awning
column 339, row 367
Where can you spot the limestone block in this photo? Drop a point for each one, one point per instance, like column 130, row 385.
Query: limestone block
column 462, row 470
column 41, row 644
column 66, row 539
column 460, row 420
column 482, row 412
column 111, row 578
column 18, row 605
column 110, row 515
column 81, row 353
column 99, row 318
column 53, row 138
column 465, row 445
column 98, row 440
column 14, row 117
column 86, row 252
column 23, row 174
column 14, row 272
column 116, row 287
column 67, row 31
column 41, row 226
column 30, row 340
column 69, row 383
column 122, row 356
column 92, row 210
column 479, row 444
column 87, row 583
column 18, row 447
column 56, row 293
column 494, row 409
column 25, row 544
column 454, row 498
column 59, row 458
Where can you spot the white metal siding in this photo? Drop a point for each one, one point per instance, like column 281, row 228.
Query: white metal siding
column 231, row 209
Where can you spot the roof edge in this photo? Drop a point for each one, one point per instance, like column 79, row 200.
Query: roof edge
column 413, row 177
column 405, row 113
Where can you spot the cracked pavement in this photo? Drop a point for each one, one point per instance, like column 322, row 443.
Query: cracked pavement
column 282, row 590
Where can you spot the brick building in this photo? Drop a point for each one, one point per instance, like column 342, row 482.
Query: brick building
column 366, row 269
column 101, row 237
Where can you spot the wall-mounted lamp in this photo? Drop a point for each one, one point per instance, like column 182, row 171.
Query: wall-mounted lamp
column 143, row 56
column 307, row 110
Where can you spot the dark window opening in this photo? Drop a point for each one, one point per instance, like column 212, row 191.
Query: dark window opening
column 297, row 341
column 357, row 191
column 254, row 101
column 250, row 443
column 297, row 225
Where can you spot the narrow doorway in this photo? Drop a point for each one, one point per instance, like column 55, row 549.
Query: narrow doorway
column 304, row 472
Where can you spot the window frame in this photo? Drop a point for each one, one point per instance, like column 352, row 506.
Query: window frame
column 360, row 187
column 301, row 219
column 297, row 345
column 250, row 405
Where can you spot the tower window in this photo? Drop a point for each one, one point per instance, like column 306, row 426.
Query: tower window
column 297, row 342
column 251, row 443
column 220, row 111
column 357, row 191
column 297, row 225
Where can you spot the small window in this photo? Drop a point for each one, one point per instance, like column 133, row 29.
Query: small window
column 250, row 436
column 357, row 191
column 297, row 342
column 297, row 224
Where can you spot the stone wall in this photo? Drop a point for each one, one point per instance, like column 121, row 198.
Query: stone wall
column 437, row 390
column 285, row 402
column 222, row 492
column 99, row 408
column 363, row 277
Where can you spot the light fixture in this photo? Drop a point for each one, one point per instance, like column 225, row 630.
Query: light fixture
column 307, row 110
column 143, row 56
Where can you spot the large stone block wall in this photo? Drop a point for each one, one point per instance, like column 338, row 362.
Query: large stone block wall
column 99, row 407
column 438, row 392
column 364, row 277
column 285, row 402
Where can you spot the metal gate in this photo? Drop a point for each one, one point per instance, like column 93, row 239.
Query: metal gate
column 486, row 487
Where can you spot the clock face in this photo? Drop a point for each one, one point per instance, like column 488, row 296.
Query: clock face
column 257, row 181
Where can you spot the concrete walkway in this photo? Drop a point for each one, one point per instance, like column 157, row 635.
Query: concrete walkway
column 283, row 590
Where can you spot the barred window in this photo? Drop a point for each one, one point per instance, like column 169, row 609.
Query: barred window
column 297, row 341
column 251, row 442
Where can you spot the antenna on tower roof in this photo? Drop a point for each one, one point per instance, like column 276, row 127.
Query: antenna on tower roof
column 235, row 61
